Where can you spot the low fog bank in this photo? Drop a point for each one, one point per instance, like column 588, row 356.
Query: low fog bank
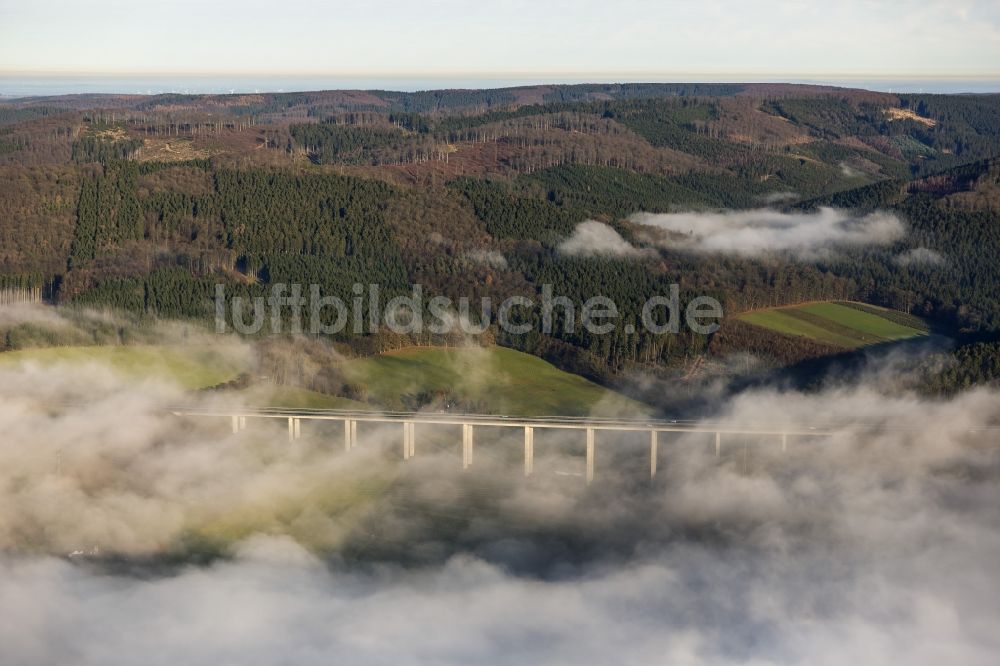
column 764, row 231
column 893, row 368
column 593, row 238
column 761, row 232
column 873, row 546
column 33, row 325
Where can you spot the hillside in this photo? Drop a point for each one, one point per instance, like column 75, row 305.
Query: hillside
column 145, row 203
column 492, row 380
column 487, row 380
column 189, row 366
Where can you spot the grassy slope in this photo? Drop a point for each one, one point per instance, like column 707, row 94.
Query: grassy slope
column 783, row 322
column 831, row 323
column 503, row 380
column 296, row 397
column 191, row 367
column 863, row 322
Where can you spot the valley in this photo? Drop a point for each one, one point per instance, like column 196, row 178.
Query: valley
column 143, row 205
column 520, row 333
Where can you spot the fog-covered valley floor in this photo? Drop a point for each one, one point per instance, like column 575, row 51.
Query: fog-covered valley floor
column 129, row 535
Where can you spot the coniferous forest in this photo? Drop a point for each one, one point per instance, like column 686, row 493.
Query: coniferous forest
column 144, row 204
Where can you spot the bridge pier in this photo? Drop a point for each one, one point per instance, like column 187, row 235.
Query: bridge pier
column 652, row 454
column 291, row 428
column 409, row 440
column 350, row 434
column 467, row 434
column 529, row 450
column 718, row 444
column 236, row 424
column 590, row 455
column 784, row 442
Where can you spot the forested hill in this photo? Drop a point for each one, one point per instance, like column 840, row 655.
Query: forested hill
column 426, row 101
column 144, row 203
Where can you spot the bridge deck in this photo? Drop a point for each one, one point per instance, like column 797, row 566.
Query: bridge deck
column 557, row 422
column 590, row 425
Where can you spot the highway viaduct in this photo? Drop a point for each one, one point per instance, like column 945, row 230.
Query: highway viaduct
column 588, row 427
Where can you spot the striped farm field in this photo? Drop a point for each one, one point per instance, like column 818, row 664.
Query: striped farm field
column 843, row 324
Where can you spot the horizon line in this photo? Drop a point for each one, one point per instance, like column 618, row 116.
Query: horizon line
column 595, row 74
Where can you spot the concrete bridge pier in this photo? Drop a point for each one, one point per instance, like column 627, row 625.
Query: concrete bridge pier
column 350, row 434
column 529, row 450
column 467, row 434
column 718, row 444
column 590, row 455
column 784, row 442
column 236, row 424
column 409, row 443
column 652, row 453
column 294, row 428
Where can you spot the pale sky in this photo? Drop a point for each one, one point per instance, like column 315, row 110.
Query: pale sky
column 445, row 37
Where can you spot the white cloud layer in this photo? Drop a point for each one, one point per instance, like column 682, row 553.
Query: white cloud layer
column 867, row 548
column 757, row 232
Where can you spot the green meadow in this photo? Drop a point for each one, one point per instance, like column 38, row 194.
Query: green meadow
column 843, row 324
column 502, row 380
column 191, row 367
